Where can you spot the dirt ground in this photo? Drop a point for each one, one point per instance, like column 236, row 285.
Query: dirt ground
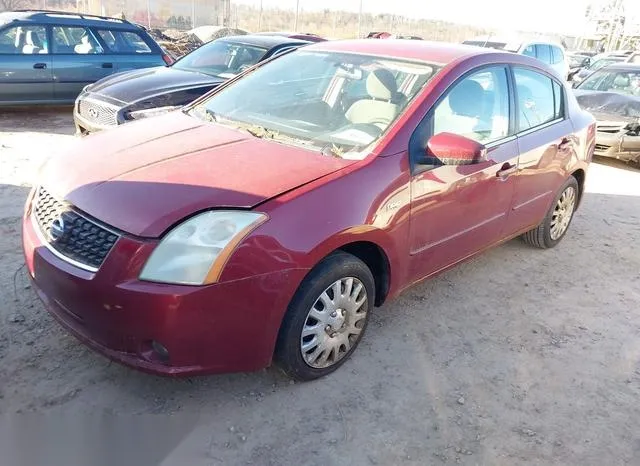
column 520, row 356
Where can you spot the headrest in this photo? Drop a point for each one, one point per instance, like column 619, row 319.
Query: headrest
column 381, row 84
column 467, row 98
column 621, row 81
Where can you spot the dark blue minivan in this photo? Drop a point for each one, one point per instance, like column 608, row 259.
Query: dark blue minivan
column 48, row 57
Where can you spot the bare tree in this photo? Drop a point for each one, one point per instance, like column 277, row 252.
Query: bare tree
column 8, row 5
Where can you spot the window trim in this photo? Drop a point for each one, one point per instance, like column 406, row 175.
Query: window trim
column 284, row 50
column 506, row 67
column 517, row 105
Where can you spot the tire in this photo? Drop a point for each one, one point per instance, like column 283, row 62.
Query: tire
column 330, row 324
column 544, row 236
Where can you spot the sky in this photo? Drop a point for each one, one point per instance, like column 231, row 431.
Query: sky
column 560, row 16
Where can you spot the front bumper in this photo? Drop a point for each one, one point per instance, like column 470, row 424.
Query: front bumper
column 619, row 145
column 86, row 125
column 224, row 327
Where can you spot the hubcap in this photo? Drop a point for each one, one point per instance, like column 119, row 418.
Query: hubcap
column 334, row 323
column 563, row 212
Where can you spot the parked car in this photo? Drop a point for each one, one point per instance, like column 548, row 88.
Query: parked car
column 125, row 97
column 268, row 218
column 47, row 57
column 549, row 52
column 612, row 95
column 576, row 63
column 596, row 63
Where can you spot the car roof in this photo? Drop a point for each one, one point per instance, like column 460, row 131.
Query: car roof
column 64, row 18
column 431, row 52
column 622, row 66
column 264, row 41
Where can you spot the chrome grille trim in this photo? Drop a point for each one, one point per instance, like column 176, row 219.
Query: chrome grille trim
column 69, row 234
column 100, row 113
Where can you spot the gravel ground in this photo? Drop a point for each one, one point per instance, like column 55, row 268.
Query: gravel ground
column 520, row 356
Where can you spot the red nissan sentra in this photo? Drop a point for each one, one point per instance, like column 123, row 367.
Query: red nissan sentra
column 267, row 219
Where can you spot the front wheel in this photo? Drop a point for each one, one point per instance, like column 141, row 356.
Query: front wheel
column 558, row 218
column 326, row 318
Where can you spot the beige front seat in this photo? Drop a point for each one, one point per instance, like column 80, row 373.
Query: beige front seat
column 84, row 46
column 382, row 107
column 31, row 43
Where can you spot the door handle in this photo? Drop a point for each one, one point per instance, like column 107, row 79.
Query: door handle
column 107, row 65
column 40, row 66
column 506, row 170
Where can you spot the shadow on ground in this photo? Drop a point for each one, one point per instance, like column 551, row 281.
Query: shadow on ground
column 53, row 120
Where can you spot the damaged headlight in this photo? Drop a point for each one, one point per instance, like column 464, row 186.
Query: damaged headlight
column 151, row 112
column 196, row 251
column 633, row 129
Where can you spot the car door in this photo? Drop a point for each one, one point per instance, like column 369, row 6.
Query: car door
column 545, row 142
column 457, row 210
column 25, row 65
column 78, row 59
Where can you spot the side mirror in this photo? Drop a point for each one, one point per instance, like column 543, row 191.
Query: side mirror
column 453, row 149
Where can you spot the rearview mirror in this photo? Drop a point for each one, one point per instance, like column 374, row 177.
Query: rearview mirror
column 453, row 149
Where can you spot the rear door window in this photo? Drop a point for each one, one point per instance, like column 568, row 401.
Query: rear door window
column 74, row 40
column 543, row 52
column 124, row 41
column 540, row 99
column 27, row 40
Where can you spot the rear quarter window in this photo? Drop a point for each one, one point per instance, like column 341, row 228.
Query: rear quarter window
column 124, row 41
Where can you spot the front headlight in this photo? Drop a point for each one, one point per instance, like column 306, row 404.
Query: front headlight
column 195, row 252
column 151, row 112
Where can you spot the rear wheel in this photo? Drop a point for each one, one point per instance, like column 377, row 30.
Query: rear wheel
column 326, row 318
column 556, row 223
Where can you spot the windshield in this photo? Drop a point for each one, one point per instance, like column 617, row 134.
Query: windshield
column 602, row 62
column 221, row 58
column 622, row 82
column 338, row 104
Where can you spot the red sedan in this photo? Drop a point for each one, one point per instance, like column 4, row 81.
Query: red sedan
column 267, row 219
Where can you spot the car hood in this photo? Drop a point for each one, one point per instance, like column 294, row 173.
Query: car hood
column 609, row 106
column 145, row 176
column 135, row 85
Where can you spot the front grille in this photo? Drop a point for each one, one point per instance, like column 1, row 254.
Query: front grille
column 100, row 114
column 601, row 149
column 70, row 234
column 612, row 129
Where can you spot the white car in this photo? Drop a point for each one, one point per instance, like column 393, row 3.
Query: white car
column 548, row 51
